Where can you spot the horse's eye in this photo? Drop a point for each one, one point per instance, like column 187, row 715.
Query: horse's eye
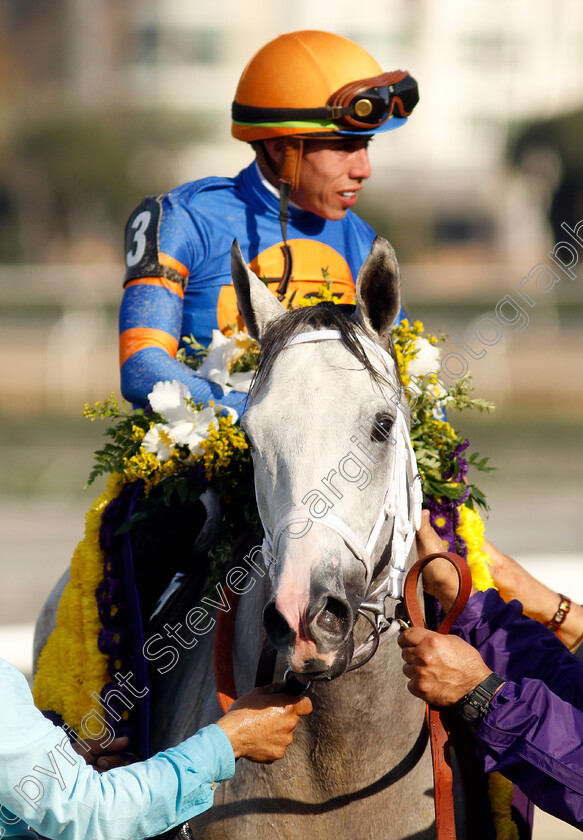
column 381, row 428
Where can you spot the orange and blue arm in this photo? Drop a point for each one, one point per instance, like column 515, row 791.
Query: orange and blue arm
column 151, row 315
column 149, row 322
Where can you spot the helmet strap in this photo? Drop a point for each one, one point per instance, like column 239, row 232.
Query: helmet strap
column 289, row 179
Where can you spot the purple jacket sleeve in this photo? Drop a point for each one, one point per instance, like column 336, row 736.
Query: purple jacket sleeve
column 533, row 733
column 516, row 647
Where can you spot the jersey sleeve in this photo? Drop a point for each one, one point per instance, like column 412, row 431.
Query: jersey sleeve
column 151, row 312
column 143, row 253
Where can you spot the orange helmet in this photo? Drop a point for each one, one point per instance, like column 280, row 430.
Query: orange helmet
column 317, row 84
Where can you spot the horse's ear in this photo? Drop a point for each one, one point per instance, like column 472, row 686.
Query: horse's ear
column 378, row 289
column 256, row 303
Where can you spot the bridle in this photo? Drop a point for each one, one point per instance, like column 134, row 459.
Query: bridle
column 402, row 502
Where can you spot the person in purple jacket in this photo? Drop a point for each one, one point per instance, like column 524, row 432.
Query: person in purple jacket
column 512, row 679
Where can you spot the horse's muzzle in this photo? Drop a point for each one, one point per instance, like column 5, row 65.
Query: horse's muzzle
column 322, row 642
column 329, row 621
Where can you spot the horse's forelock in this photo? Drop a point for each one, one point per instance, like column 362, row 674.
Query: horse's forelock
column 324, row 316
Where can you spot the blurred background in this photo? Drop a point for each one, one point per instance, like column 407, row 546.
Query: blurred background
column 103, row 102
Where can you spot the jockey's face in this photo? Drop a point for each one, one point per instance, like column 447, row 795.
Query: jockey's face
column 331, row 175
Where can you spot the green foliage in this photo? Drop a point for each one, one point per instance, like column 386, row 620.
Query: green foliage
column 438, row 446
column 112, row 457
column 195, row 358
column 181, row 479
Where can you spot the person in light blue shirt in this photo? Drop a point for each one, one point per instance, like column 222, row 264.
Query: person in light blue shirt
column 44, row 784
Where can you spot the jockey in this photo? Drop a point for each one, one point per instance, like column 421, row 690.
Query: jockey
column 308, row 103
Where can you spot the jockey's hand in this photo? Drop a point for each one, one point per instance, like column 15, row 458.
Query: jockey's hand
column 441, row 669
column 440, row 578
column 103, row 758
column 260, row 725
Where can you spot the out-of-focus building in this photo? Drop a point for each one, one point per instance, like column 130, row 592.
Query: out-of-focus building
column 483, row 68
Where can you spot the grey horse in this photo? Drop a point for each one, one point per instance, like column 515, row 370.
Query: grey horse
column 325, row 421
column 322, row 424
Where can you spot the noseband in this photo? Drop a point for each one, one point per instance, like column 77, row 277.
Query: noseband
column 402, row 501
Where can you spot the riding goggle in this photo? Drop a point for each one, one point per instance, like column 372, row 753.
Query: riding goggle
column 362, row 105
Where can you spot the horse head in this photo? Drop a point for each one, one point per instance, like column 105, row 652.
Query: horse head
column 327, row 423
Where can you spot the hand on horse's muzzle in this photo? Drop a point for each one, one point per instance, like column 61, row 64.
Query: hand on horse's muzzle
column 260, row 725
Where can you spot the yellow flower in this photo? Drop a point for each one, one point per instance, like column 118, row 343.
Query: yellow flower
column 137, row 433
column 500, row 792
column 409, row 342
column 323, row 293
column 220, row 445
column 471, row 529
column 71, row 666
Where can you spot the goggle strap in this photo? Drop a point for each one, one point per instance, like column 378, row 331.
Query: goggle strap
column 256, row 114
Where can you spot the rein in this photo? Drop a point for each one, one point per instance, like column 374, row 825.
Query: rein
column 440, row 743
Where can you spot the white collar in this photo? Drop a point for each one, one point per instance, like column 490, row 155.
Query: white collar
column 269, row 186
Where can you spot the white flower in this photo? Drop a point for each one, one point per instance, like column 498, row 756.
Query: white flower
column 425, row 361
column 193, row 429
column 158, row 440
column 222, row 355
column 242, row 381
column 185, row 424
column 169, row 400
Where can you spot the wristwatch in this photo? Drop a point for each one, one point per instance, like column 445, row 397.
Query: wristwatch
column 476, row 704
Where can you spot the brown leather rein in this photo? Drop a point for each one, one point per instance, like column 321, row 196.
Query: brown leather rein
column 223, row 654
column 440, row 745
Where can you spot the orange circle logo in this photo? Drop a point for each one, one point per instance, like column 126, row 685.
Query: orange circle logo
column 314, row 263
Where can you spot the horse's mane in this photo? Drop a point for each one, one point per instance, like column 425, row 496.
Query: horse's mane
column 323, row 316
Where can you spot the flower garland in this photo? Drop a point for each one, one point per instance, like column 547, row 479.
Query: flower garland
column 160, row 460
column 69, row 691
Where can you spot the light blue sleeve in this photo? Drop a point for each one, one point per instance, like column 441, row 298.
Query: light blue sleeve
column 50, row 788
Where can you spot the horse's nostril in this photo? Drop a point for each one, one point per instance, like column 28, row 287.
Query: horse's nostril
column 276, row 627
column 334, row 617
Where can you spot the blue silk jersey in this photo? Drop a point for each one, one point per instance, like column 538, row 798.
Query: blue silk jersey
column 178, row 280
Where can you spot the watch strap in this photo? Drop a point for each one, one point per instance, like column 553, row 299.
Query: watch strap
column 475, row 705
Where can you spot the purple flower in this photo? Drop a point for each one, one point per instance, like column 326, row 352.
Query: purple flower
column 459, row 465
column 444, row 517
